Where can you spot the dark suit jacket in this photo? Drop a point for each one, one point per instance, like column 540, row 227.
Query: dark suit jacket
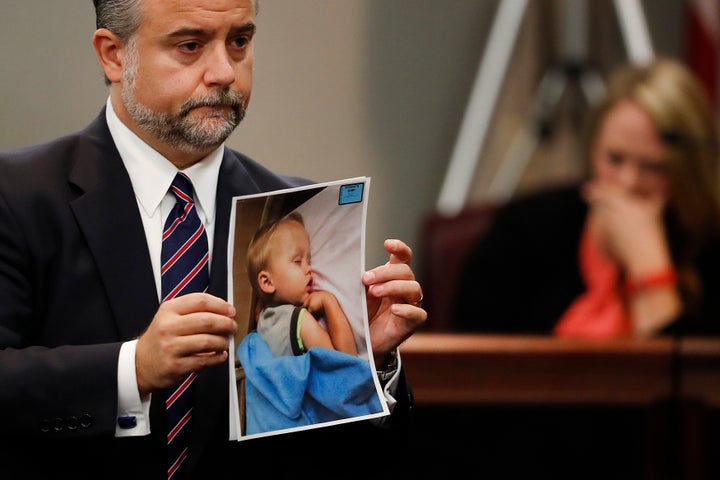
column 75, row 282
column 524, row 272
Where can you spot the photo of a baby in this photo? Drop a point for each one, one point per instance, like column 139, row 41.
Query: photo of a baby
column 301, row 352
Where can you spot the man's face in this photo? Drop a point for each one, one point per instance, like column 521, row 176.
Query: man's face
column 187, row 75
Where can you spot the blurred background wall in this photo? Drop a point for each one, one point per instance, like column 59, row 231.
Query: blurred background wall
column 342, row 88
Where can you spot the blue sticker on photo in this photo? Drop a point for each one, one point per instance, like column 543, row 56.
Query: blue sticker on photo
column 352, row 193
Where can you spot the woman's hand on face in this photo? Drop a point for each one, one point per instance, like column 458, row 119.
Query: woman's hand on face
column 628, row 227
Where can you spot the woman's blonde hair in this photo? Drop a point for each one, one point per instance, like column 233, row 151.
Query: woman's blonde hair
column 680, row 110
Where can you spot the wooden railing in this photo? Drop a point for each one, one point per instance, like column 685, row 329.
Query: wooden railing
column 466, row 370
column 475, row 369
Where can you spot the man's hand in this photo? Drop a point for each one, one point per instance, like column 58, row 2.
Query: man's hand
column 393, row 299
column 187, row 334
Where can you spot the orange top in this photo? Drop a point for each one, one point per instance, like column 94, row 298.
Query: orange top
column 600, row 312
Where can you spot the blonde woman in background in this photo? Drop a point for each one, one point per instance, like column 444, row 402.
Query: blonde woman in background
column 632, row 251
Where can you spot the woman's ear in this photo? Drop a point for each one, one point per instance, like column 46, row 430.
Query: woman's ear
column 110, row 52
column 265, row 282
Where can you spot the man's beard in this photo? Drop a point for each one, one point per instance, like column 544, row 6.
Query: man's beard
column 191, row 135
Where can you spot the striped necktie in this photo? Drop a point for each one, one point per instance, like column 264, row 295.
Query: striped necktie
column 184, row 270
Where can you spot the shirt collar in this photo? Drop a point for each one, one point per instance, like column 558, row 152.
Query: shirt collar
column 152, row 174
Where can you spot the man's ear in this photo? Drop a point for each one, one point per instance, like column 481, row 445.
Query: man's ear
column 110, row 52
column 265, row 282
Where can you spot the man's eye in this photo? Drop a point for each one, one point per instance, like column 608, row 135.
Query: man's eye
column 240, row 42
column 190, row 46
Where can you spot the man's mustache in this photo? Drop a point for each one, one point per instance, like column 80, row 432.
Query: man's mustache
column 228, row 98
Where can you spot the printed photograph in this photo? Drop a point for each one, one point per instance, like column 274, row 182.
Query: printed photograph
column 301, row 357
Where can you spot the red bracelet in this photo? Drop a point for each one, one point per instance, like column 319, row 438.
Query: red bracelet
column 662, row 278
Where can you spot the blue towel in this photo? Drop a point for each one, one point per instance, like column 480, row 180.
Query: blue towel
column 290, row 391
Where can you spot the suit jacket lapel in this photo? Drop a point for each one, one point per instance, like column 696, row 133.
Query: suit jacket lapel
column 117, row 241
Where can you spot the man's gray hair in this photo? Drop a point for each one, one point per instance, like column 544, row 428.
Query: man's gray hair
column 122, row 17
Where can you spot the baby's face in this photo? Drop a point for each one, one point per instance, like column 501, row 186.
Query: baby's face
column 289, row 265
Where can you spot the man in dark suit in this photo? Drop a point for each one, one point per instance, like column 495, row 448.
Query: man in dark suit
column 87, row 346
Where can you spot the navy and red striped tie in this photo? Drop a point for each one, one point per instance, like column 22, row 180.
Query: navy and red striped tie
column 184, row 261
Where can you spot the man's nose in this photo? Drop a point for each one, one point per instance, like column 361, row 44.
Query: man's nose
column 220, row 68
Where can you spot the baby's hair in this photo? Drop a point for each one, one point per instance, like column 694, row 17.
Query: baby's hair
column 258, row 253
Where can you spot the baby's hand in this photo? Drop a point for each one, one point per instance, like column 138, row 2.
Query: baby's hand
column 319, row 301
